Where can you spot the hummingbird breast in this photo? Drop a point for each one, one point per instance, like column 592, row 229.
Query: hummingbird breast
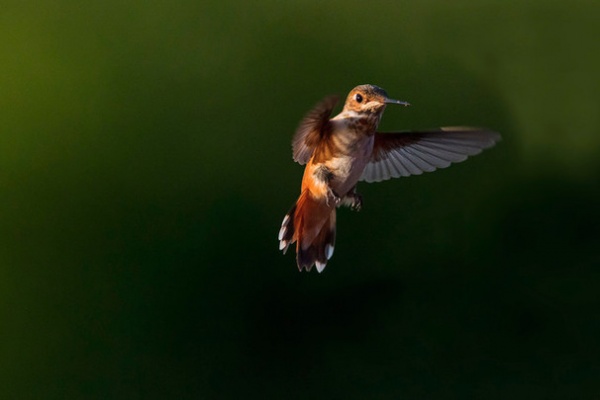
column 352, row 152
column 343, row 154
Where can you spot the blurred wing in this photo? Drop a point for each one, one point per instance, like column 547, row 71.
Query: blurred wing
column 412, row 153
column 312, row 128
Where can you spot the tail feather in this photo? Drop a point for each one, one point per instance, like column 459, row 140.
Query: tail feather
column 286, row 233
column 325, row 242
column 310, row 224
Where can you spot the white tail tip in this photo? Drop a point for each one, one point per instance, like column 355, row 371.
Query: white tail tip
column 328, row 251
column 282, row 232
column 320, row 266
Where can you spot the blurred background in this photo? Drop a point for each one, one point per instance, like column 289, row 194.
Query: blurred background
column 145, row 168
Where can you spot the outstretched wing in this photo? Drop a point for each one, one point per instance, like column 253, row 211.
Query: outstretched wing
column 412, row 153
column 312, row 128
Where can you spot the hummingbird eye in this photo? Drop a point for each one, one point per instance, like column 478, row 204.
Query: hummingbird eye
column 358, row 98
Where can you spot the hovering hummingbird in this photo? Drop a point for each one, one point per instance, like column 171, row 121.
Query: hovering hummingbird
column 340, row 151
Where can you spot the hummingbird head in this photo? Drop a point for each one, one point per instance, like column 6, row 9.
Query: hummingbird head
column 369, row 99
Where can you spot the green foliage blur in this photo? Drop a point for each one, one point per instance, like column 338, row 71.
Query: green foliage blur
column 145, row 167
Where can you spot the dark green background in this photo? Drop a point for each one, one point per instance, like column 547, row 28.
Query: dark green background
column 145, row 167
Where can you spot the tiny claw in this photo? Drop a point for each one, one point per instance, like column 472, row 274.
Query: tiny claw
column 356, row 202
column 331, row 195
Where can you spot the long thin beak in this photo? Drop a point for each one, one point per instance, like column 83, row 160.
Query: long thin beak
column 402, row 103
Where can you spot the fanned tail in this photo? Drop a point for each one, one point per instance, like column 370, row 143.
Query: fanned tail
column 310, row 224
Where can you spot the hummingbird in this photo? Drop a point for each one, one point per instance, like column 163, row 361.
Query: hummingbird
column 341, row 151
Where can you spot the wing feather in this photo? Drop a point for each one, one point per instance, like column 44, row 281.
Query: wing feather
column 311, row 129
column 433, row 160
column 409, row 162
column 396, row 173
column 412, row 153
column 397, row 160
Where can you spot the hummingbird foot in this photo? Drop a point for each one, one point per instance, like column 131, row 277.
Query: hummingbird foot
column 356, row 202
column 332, row 196
column 353, row 200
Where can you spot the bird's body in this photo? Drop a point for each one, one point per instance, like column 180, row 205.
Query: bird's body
column 340, row 151
column 345, row 154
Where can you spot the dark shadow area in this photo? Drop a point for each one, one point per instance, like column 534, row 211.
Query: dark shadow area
column 292, row 324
